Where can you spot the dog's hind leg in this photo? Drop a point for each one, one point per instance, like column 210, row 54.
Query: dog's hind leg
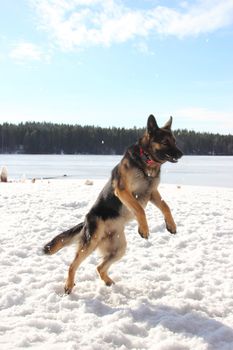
column 91, row 238
column 113, row 248
column 83, row 252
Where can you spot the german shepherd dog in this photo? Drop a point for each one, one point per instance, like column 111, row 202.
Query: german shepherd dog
column 133, row 183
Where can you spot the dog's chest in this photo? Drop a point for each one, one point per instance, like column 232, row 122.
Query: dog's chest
column 141, row 186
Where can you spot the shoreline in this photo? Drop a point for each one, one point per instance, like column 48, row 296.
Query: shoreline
column 102, row 181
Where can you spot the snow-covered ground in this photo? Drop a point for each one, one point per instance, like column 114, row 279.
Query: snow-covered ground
column 172, row 292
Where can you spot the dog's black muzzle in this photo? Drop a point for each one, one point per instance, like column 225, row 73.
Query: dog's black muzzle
column 171, row 155
column 173, row 158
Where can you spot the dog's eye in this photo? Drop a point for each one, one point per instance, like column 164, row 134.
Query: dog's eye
column 165, row 143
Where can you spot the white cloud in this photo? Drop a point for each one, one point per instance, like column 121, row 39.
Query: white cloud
column 78, row 23
column 204, row 17
column 25, row 51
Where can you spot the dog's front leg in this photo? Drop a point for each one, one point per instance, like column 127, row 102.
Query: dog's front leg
column 162, row 205
column 132, row 204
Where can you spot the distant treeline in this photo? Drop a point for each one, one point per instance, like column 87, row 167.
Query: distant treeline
column 48, row 138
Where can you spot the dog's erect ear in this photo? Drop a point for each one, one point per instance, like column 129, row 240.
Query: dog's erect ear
column 168, row 124
column 152, row 125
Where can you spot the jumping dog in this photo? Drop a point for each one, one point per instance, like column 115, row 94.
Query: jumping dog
column 133, row 183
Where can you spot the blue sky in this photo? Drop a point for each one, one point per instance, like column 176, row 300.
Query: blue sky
column 112, row 62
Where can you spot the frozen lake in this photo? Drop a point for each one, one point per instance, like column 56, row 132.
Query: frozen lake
column 190, row 170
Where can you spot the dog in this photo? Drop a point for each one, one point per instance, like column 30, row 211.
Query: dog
column 133, row 183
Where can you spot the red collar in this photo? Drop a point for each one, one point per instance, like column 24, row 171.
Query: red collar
column 146, row 158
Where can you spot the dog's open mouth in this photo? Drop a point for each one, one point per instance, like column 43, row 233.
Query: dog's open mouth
column 170, row 158
column 166, row 157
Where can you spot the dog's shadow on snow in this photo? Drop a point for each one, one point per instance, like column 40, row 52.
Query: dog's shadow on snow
column 189, row 323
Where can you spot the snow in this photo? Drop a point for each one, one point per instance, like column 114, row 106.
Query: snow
column 172, row 292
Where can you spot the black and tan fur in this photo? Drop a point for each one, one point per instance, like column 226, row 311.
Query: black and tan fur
column 133, row 183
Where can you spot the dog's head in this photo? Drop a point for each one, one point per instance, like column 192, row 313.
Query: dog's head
column 160, row 143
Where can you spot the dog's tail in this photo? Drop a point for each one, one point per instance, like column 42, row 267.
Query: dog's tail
column 63, row 239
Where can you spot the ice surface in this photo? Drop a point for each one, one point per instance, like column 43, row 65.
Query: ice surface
column 190, row 170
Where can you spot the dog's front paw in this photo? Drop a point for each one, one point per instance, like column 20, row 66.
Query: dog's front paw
column 68, row 287
column 171, row 226
column 143, row 231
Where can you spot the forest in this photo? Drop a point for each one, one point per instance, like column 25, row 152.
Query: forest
column 49, row 138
